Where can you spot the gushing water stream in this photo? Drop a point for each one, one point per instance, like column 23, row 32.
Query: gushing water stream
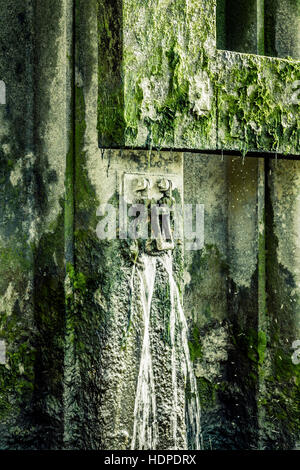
column 145, row 431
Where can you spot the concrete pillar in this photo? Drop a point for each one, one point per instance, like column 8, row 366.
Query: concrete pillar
column 205, row 292
column 17, row 325
column 221, row 24
column 70, row 348
column 224, row 294
column 245, row 209
column 53, row 129
column 34, row 133
column 280, row 399
column 282, row 28
column 241, row 26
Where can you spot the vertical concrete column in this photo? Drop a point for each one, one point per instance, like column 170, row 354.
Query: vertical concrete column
column 17, row 326
column 241, row 25
column 81, row 368
column 205, row 293
column 221, row 24
column 281, row 374
column 263, row 324
column 260, row 8
column 53, row 129
column 225, row 295
column 34, row 137
column 245, row 289
column 282, row 28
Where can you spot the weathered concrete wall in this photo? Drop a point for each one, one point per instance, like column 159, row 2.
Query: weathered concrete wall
column 282, row 28
column 280, row 328
column 222, row 296
column 241, row 298
column 205, row 294
column 178, row 91
column 34, row 130
column 17, row 325
column 145, row 74
column 104, row 328
column 258, row 113
column 241, row 26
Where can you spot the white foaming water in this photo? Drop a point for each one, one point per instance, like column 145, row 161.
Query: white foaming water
column 145, row 431
column 173, row 358
column 193, row 412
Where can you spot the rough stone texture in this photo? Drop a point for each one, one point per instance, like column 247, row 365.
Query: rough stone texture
column 178, row 91
column 33, row 147
column 258, row 113
column 280, row 377
column 282, row 28
column 221, row 296
column 241, row 26
column 105, row 329
column 241, row 298
column 144, row 74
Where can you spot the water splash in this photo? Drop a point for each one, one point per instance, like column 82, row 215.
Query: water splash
column 145, row 430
